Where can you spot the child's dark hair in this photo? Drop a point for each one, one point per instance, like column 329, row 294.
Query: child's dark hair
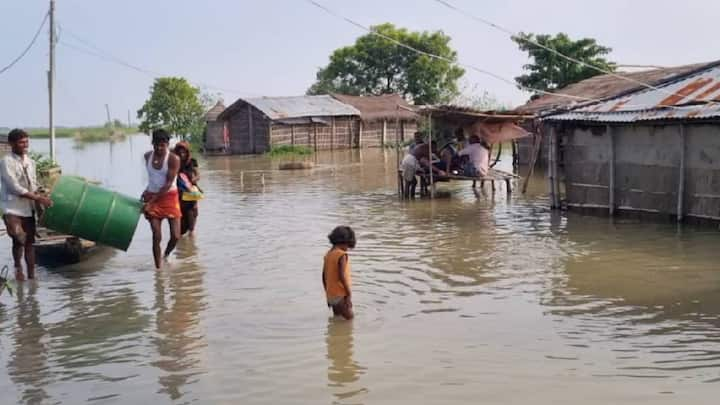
column 160, row 136
column 343, row 235
column 16, row 135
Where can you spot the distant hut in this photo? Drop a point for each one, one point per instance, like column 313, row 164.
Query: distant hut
column 598, row 88
column 645, row 151
column 215, row 139
column 382, row 119
column 319, row 122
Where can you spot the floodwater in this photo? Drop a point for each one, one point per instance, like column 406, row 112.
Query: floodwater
column 464, row 299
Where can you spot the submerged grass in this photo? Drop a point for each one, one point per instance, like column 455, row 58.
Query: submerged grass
column 288, row 151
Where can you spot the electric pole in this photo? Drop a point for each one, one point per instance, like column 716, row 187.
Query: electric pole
column 51, row 80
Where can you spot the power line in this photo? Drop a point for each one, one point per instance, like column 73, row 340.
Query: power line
column 556, row 52
column 443, row 58
column 30, row 45
column 100, row 53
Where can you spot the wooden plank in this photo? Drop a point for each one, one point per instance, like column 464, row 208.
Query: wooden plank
column 251, row 129
column 551, row 168
column 611, row 168
column 360, row 134
column 333, row 131
column 315, row 144
column 681, row 175
column 292, row 134
column 383, row 136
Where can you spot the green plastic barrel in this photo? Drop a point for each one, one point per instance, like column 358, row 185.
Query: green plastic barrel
column 90, row 212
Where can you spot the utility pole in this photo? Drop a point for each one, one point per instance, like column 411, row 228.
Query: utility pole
column 129, row 119
column 109, row 120
column 51, row 80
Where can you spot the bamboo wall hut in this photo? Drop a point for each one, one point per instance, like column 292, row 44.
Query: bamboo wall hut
column 646, row 151
column 384, row 120
column 598, row 88
column 319, row 122
column 215, row 139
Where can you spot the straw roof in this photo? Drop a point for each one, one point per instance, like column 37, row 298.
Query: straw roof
column 378, row 108
column 214, row 112
column 604, row 86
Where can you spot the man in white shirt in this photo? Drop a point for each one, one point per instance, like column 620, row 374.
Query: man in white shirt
column 18, row 196
column 479, row 157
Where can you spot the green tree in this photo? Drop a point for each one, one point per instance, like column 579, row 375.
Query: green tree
column 175, row 105
column 549, row 71
column 375, row 65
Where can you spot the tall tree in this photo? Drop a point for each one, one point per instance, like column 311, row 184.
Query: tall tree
column 375, row 65
column 175, row 105
column 549, row 71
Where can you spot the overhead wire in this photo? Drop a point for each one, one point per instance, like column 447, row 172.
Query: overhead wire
column 446, row 59
column 91, row 49
column 513, row 35
column 29, row 46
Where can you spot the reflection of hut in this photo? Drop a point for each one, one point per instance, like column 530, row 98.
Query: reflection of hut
column 382, row 119
column 598, row 87
column 215, row 140
column 646, row 151
column 319, row 122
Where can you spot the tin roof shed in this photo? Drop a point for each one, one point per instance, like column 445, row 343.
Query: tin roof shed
column 282, row 108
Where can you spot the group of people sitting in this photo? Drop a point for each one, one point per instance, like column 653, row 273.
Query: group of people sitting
column 469, row 158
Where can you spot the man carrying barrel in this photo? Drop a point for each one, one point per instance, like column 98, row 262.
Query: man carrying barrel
column 161, row 196
column 18, row 198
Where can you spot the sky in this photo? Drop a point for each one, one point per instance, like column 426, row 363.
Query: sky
column 244, row 48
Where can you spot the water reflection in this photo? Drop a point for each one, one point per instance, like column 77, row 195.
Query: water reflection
column 648, row 291
column 27, row 365
column 179, row 301
column 343, row 371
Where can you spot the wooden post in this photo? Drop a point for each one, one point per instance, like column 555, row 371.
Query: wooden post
column 681, row 175
column 251, row 129
column 611, row 174
column 383, row 137
column 556, row 167
column 269, row 135
column 537, row 145
column 333, row 129
column 360, row 134
column 402, row 131
column 51, row 82
column 351, row 137
column 292, row 134
column 314, row 126
column 551, row 167
column 432, row 183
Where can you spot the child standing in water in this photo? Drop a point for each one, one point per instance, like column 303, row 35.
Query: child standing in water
column 336, row 272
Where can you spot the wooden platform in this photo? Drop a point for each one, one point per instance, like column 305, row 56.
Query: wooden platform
column 492, row 177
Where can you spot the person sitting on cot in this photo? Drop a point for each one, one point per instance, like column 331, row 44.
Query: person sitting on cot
column 414, row 163
column 336, row 274
column 478, row 153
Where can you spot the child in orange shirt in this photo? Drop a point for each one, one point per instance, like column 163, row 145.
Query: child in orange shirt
column 336, row 274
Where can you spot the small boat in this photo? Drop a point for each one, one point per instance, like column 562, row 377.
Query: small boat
column 58, row 249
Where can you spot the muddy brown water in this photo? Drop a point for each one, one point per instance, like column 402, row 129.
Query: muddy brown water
column 464, row 299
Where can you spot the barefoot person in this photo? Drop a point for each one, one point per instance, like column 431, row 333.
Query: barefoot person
column 336, row 272
column 161, row 195
column 190, row 174
column 18, row 195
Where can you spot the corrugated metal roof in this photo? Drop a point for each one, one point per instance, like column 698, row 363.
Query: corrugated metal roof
column 301, row 106
column 685, row 98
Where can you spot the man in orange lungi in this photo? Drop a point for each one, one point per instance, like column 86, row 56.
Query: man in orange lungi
column 161, row 195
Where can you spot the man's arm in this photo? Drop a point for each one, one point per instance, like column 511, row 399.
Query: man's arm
column 14, row 186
